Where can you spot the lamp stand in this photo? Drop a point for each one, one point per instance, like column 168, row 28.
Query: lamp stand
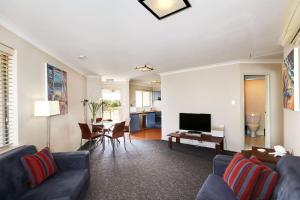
column 48, row 131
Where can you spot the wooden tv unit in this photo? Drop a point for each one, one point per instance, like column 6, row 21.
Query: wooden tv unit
column 219, row 141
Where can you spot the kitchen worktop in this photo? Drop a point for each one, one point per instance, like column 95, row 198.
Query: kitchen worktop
column 145, row 112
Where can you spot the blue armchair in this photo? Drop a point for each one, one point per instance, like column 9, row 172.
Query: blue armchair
column 69, row 183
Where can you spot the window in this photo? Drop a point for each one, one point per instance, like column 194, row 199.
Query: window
column 7, row 101
column 112, row 109
column 143, row 98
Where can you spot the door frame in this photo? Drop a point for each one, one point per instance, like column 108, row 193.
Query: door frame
column 267, row 107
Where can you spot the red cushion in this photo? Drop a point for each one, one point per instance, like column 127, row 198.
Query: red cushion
column 241, row 176
column 266, row 182
column 39, row 166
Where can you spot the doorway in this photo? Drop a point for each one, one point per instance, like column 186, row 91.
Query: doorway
column 112, row 110
column 256, row 111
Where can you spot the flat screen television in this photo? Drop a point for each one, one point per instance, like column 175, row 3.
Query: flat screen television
column 193, row 122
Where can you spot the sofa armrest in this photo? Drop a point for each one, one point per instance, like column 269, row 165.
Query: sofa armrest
column 214, row 188
column 220, row 163
column 72, row 160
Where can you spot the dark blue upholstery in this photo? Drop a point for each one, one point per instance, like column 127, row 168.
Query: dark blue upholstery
column 214, row 188
column 69, row 183
column 220, row 163
column 13, row 181
column 63, row 184
column 288, row 186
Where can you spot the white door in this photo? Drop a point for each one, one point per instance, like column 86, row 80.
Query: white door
column 267, row 113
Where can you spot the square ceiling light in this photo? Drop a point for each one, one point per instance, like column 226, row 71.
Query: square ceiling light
column 164, row 8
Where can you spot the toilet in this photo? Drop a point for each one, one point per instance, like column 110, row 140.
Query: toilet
column 252, row 122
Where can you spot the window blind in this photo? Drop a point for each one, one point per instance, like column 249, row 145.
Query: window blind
column 6, row 96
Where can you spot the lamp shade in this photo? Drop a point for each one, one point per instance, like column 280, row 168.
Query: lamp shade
column 46, row 108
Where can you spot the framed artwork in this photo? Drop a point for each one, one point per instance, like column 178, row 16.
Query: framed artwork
column 291, row 81
column 57, row 87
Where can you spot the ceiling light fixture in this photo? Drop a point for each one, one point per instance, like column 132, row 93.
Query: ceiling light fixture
column 164, row 8
column 144, row 68
column 155, row 81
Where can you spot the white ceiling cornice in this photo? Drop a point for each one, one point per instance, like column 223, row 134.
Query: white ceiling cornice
column 224, row 64
column 38, row 45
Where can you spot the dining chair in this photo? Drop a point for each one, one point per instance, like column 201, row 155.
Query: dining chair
column 88, row 135
column 97, row 128
column 99, row 119
column 116, row 133
column 127, row 128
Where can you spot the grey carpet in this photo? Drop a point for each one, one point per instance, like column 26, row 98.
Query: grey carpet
column 148, row 170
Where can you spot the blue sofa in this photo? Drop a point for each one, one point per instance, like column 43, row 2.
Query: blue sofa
column 288, row 187
column 69, row 183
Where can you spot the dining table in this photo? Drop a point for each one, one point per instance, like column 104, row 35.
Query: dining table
column 105, row 126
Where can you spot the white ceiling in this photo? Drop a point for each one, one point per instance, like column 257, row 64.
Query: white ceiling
column 118, row 35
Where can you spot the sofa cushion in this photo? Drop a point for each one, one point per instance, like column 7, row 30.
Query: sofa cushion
column 39, row 166
column 62, row 185
column 241, row 176
column 14, row 179
column 214, row 188
column 266, row 182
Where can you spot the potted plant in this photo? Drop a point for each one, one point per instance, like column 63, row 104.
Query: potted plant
column 94, row 108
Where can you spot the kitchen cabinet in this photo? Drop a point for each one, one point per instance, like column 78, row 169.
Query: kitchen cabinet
column 156, row 95
column 150, row 120
column 157, row 119
column 145, row 120
column 134, row 122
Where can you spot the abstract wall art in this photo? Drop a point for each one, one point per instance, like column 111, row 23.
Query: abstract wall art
column 290, row 77
column 57, row 87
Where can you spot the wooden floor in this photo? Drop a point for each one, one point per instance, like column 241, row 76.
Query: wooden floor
column 148, row 134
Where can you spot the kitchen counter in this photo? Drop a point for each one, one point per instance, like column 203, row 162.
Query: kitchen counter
column 145, row 112
column 145, row 120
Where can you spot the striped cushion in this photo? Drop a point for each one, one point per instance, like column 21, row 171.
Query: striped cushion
column 241, row 176
column 266, row 182
column 39, row 166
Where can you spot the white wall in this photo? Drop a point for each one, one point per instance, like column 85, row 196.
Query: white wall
column 204, row 91
column 93, row 92
column 65, row 133
column 292, row 124
column 212, row 90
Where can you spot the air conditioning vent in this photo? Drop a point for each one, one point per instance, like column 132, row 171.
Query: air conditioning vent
column 291, row 29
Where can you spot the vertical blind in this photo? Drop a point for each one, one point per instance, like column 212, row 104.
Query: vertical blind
column 6, row 97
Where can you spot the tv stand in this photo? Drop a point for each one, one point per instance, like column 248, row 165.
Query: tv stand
column 219, row 141
column 195, row 132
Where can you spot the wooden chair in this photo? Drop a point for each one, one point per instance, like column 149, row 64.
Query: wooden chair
column 127, row 128
column 115, row 133
column 87, row 134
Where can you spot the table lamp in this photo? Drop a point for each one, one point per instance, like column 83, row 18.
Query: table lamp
column 46, row 109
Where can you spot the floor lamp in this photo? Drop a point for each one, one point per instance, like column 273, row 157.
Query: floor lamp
column 46, row 109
